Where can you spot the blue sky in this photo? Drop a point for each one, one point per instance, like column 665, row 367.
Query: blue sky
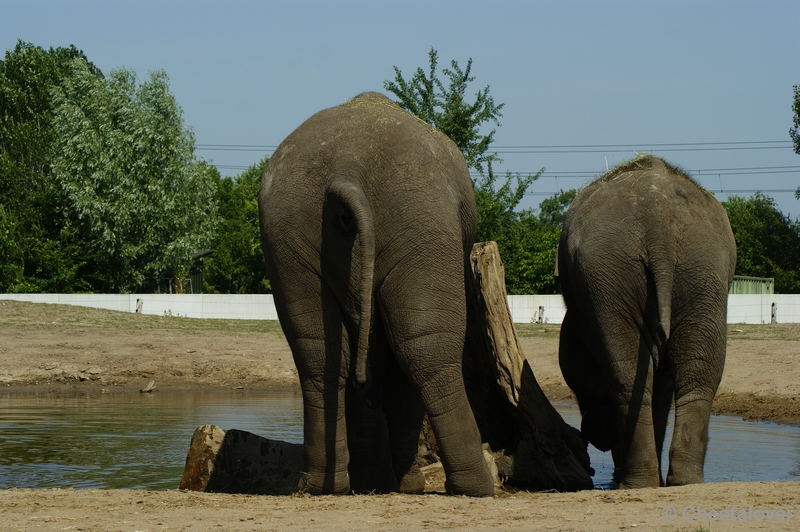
column 599, row 80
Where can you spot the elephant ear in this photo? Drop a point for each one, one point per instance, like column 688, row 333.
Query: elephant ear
column 355, row 215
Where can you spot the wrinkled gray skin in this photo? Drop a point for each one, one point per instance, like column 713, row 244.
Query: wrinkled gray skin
column 367, row 218
column 645, row 262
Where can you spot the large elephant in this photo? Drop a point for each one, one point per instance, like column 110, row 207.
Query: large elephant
column 367, row 218
column 645, row 262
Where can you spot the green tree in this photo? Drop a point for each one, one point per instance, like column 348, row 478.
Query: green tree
column 128, row 179
column 553, row 210
column 445, row 108
column 767, row 241
column 525, row 249
column 793, row 132
column 237, row 265
column 38, row 253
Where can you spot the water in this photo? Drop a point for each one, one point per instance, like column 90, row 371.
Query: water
column 738, row 450
column 125, row 440
column 132, row 440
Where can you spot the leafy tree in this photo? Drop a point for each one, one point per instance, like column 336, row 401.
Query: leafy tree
column 767, row 241
column 553, row 210
column 129, row 183
column 445, row 109
column 793, row 132
column 526, row 246
column 237, row 265
column 37, row 252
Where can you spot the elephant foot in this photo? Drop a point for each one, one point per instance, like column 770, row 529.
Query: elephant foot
column 472, row 484
column 316, row 484
column 413, row 481
column 640, row 479
column 683, row 476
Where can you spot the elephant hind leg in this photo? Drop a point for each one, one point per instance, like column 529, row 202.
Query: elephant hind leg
column 663, row 394
column 319, row 343
column 442, row 391
column 636, row 460
column 370, row 466
column 690, row 435
column 698, row 349
column 405, row 412
column 689, row 440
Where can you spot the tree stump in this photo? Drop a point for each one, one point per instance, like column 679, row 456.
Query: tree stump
column 533, row 446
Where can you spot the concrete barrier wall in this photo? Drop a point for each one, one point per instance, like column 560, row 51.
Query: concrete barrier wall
column 742, row 308
column 222, row 306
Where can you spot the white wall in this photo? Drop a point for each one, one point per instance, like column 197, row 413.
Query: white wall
column 225, row 306
column 742, row 308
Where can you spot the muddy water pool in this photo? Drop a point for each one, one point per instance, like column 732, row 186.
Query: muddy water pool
column 132, row 440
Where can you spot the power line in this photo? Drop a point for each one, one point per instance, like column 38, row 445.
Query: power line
column 702, row 172
column 574, row 148
column 652, row 144
column 737, row 191
column 642, row 148
column 234, row 147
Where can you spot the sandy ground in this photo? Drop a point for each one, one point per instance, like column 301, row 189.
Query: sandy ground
column 50, row 347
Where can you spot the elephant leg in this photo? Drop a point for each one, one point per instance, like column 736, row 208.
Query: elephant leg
column 663, row 393
column 699, row 354
column 405, row 412
column 318, row 341
column 427, row 336
column 635, row 458
column 370, row 467
column 583, row 376
column 458, row 438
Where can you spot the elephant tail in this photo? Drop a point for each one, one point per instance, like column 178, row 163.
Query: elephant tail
column 663, row 281
column 355, row 214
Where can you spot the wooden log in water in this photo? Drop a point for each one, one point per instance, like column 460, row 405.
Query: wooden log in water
column 236, row 461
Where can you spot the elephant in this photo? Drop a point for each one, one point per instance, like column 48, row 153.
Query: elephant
column 645, row 262
column 367, row 217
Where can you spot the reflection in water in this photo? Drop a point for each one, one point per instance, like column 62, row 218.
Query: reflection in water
column 125, row 440
column 132, row 440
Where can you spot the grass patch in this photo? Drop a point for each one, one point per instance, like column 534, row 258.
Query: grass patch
column 537, row 330
column 787, row 332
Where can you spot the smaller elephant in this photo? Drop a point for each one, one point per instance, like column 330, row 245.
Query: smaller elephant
column 645, row 262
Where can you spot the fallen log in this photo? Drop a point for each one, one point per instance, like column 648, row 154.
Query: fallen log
column 236, row 461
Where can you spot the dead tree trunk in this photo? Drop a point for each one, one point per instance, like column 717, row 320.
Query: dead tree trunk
column 533, row 445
